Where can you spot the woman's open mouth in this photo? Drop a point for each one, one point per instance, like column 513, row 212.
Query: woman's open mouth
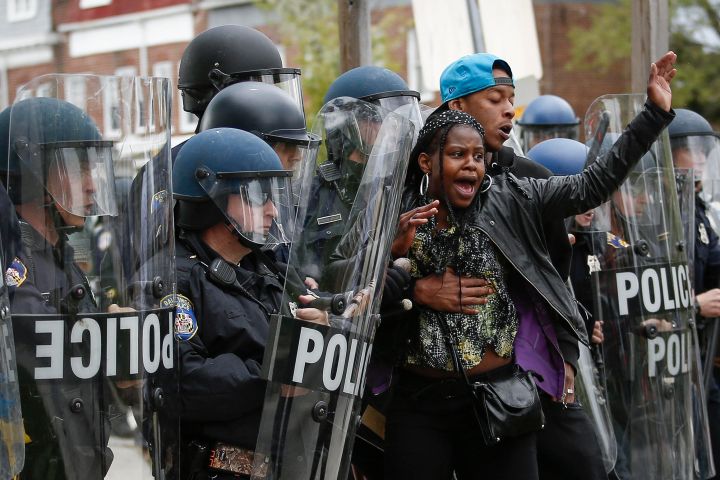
column 466, row 188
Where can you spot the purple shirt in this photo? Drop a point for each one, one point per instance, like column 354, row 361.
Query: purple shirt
column 536, row 345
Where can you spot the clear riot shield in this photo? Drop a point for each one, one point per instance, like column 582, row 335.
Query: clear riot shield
column 12, row 444
column 704, row 153
column 316, row 373
column 591, row 391
column 704, row 464
column 641, row 290
column 93, row 303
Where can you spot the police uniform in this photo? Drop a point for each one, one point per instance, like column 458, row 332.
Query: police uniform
column 65, row 433
column 707, row 250
column 707, row 277
column 326, row 224
column 222, row 331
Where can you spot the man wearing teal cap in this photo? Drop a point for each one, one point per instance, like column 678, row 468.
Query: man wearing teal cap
column 482, row 86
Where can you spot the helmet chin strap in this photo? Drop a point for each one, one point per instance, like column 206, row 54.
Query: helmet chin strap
column 58, row 222
column 241, row 238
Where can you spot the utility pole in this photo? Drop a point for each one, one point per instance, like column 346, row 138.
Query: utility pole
column 354, row 21
column 650, row 38
column 474, row 18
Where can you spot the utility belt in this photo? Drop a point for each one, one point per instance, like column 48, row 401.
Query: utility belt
column 237, row 460
column 222, row 457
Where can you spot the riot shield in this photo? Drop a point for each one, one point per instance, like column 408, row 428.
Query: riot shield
column 591, row 391
column 93, row 303
column 705, row 151
column 12, row 445
column 641, row 290
column 704, row 464
column 316, row 373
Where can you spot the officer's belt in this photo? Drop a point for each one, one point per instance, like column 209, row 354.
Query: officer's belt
column 237, row 460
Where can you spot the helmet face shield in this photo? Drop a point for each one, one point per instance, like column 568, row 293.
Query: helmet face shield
column 406, row 105
column 293, row 155
column 351, row 134
column 80, row 177
column 641, row 193
column 531, row 135
column 257, row 204
column 696, row 152
column 287, row 79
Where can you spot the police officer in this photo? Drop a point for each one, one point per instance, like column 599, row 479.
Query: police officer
column 695, row 145
column 59, row 172
column 9, row 229
column 271, row 114
column 547, row 116
column 230, row 188
column 349, row 147
column 11, row 428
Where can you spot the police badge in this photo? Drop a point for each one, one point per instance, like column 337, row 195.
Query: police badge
column 702, row 231
column 185, row 322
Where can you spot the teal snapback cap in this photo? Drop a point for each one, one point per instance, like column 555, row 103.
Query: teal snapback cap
column 472, row 73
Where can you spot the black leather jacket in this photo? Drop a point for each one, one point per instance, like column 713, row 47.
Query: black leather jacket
column 512, row 211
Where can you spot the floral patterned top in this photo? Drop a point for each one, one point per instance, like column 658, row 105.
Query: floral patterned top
column 496, row 324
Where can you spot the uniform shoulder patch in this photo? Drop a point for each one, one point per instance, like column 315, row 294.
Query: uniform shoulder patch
column 186, row 325
column 16, row 274
column 615, row 241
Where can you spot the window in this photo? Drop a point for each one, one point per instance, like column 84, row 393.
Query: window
column 94, row 3
column 111, row 107
column 44, row 90
column 19, row 10
column 136, row 110
column 75, row 91
column 164, row 70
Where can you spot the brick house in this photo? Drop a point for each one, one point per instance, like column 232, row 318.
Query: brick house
column 147, row 37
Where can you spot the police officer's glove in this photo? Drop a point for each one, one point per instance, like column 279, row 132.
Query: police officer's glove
column 397, row 286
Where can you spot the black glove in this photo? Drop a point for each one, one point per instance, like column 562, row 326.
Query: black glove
column 397, row 283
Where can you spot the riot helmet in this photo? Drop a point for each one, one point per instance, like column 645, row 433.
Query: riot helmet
column 694, row 144
column 55, row 153
column 228, row 54
column 548, row 116
column 267, row 112
column 381, row 87
column 562, row 156
column 231, row 176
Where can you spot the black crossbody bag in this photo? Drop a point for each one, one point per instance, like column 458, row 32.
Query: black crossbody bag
column 505, row 404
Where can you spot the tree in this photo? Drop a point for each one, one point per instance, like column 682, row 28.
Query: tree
column 694, row 36
column 311, row 28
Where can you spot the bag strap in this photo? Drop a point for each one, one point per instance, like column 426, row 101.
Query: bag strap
column 481, row 417
column 450, row 343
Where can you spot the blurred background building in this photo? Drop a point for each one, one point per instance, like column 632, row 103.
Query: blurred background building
column 147, row 37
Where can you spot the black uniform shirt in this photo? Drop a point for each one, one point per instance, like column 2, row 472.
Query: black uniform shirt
column 41, row 277
column 707, row 251
column 221, row 392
